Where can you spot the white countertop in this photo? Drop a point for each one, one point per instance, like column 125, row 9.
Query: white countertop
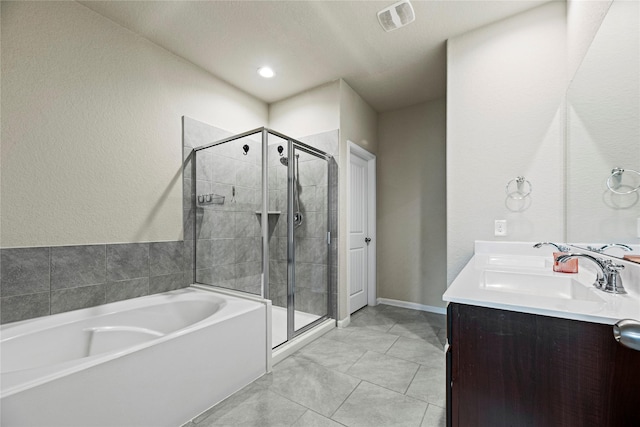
column 514, row 276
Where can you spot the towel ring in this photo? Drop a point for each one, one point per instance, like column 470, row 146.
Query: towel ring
column 520, row 182
column 616, row 176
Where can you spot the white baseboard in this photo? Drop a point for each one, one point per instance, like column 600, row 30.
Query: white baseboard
column 412, row 305
column 344, row 322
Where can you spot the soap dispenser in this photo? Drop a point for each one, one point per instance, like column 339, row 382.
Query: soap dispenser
column 570, row 266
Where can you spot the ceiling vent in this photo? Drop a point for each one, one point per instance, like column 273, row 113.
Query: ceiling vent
column 397, row 15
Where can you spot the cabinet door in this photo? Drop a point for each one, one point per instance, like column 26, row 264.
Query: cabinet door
column 516, row 369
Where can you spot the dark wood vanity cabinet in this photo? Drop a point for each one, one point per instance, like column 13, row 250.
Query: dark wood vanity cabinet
column 506, row 368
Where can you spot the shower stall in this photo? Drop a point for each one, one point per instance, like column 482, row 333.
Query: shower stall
column 263, row 208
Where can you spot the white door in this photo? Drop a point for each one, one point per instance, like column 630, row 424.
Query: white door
column 358, row 233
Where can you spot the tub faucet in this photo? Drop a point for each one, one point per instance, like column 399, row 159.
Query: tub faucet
column 560, row 248
column 608, row 274
column 610, row 245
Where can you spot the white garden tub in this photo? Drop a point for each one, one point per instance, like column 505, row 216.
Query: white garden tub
column 152, row 361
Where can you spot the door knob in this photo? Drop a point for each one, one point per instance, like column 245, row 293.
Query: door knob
column 367, row 239
column 627, row 333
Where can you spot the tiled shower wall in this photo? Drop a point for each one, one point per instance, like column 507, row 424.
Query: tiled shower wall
column 228, row 235
column 48, row 280
column 313, row 258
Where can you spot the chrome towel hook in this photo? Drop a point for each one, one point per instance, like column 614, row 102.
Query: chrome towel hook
column 521, row 184
column 614, row 182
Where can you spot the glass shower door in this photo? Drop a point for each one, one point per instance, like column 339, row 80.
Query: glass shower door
column 308, row 210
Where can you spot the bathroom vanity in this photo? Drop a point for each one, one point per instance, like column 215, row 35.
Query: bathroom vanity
column 530, row 347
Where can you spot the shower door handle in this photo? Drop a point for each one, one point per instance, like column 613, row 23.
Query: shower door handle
column 367, row 240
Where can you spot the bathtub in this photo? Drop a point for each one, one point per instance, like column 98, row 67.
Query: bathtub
column 152, row 361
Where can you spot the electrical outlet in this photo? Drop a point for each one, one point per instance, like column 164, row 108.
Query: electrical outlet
column 500, row 227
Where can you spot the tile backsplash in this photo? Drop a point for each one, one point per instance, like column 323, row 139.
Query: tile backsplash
column 41, row 281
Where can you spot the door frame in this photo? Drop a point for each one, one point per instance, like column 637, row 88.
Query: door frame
column 356, row 150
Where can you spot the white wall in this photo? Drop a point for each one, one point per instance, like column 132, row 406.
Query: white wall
column 358, row 121
column 412, row 263
column 91, row 128
column 358, row 124
column 603, row 131
column 313, row 111
column 583, row 20
column 505, row 86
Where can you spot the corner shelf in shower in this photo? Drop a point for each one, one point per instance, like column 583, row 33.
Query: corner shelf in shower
column 269, row 212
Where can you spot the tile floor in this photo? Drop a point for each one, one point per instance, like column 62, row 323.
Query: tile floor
column 386, row 369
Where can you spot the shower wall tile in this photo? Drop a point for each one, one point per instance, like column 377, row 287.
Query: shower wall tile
column 196, row 133
column 24, row 271
column 325, row 141
column 311, row 250
column 127, row 289
column 204, row 165
column 73, row 266
column 41, row 281
column 311, row 302
column 311, row 276
column 223, row 169
column 166, row 258
column 247, row 249
column 188, row 217
column 232, row 170
column 127, row 261
column 187, row 162
column 188, row 193
column 76, row 298
column 223, row 273
column 164, row 283
column 204, row 254
column 277, row 272
column 248, row 175
column 223, row 251
column 248, row 269
column 189, row 262
column 247, row 224
column 225, row 190
column 204, row 187
column 274, row 201
column 281, row 226
column 222, row 224
column 22, row 307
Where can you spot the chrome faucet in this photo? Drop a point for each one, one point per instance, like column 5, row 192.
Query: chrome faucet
column 560, row 248
column 608, row 274
column 610, row 245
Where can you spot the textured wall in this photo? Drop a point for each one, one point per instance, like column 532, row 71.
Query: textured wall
column 505, row 88
column 412, row 204
column 603, row 132
column 91, row 128
column 313, row 111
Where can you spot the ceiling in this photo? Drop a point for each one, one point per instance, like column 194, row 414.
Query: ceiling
column 309, row 43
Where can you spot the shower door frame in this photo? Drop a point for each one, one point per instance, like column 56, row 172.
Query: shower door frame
column 291, row 257
column 264, row 220
column 291, row 143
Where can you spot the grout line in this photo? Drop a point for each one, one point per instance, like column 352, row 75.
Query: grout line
column 345, row 399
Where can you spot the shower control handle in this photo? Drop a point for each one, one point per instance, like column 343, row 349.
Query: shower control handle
column 367, row 240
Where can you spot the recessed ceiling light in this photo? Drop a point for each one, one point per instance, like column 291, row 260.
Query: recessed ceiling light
column 266, row 72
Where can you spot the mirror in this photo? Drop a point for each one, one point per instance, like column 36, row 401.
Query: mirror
column 603, row 133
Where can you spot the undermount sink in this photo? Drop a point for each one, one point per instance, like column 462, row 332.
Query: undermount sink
column 562, row 287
